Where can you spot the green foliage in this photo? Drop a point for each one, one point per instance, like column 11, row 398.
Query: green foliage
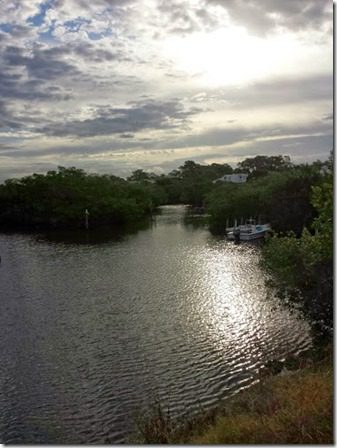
column 322, row 200
column 171, row 188
column 141, row 175
column 262, row 165
column 281, row 198
column 304, row 266
column 59, row 199
column 188, row 184
column 297, row 202
column 191, row 182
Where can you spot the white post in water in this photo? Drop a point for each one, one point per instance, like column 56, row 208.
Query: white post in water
column 235, row 222
column 86, row 213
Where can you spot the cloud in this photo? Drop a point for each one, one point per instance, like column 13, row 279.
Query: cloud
column 88, row 82
column 138, row 117
column 13, row 86
column 180, row 18
column 33, row 76
column 4, row 148
column 261, row 16
column 17, row 12
column 313, row 146
column 244, row 135
column 237, row 137
column 8, row 121
column 42, row 64
column 277, row 91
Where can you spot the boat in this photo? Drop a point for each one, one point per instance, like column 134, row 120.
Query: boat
column 248, row 231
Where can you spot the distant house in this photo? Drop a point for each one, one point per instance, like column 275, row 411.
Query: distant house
column 237, row 178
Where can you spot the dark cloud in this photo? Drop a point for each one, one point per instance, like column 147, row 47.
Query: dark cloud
column 43, row 64
column 138, row 117
column 7, row 119
column 33, row 77
column 15, row 86
column 16, row 32
column 5, row 147
column 91, row 53
column 263, row 15
column 41, row 73
column 127, row 136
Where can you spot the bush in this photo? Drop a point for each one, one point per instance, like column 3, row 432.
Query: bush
column 303, row 266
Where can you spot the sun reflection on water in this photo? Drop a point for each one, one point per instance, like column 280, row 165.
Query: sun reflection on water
column 235, row 310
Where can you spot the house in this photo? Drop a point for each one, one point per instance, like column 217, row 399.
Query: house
column 237, row 178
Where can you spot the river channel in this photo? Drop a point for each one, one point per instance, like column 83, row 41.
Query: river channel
column 94, row 327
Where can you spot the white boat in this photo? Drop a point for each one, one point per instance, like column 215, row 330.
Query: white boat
column 248, row 231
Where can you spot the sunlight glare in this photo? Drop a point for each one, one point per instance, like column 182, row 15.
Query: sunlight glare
column 231, row 56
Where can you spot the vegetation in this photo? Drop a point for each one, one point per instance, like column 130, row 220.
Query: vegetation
column 302, row 267
column 186, row 185
column 60, row 198
column 293, row 407
column 276, row 190
column 290, row 409
column 281, row 198
column 261, row 165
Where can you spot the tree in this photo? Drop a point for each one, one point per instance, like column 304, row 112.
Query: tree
column 261, row 165
column 140, row 176
column 59, row 198
column 303, row 267
column 282, row 198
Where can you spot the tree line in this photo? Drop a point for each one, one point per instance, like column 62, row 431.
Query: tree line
column 60, row 198
column 276, row 190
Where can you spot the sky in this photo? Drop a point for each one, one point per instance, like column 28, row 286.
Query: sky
column 111, row 86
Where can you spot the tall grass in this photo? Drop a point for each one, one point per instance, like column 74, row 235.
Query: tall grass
column 293, row 407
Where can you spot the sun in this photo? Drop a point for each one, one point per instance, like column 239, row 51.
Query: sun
column 230, row 56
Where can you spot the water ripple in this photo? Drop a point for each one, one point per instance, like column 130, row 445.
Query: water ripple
column 92, row 334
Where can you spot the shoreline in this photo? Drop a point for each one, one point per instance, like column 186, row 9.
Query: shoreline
column 291, row 404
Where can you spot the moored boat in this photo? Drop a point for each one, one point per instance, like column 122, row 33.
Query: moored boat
column 248, row 231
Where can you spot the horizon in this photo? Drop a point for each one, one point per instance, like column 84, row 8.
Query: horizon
column 148, row 171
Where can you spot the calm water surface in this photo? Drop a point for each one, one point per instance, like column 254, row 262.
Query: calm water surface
column 94, row 327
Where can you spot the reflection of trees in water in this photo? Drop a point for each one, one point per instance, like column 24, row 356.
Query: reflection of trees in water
column 195, row 217
column 102, row 235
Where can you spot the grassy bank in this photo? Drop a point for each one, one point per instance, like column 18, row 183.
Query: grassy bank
column 293, row 407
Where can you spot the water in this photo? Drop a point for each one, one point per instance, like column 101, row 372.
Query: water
column 95, row 327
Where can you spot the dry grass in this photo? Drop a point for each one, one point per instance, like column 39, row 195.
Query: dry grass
column 296, row 408
column 293, row 408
